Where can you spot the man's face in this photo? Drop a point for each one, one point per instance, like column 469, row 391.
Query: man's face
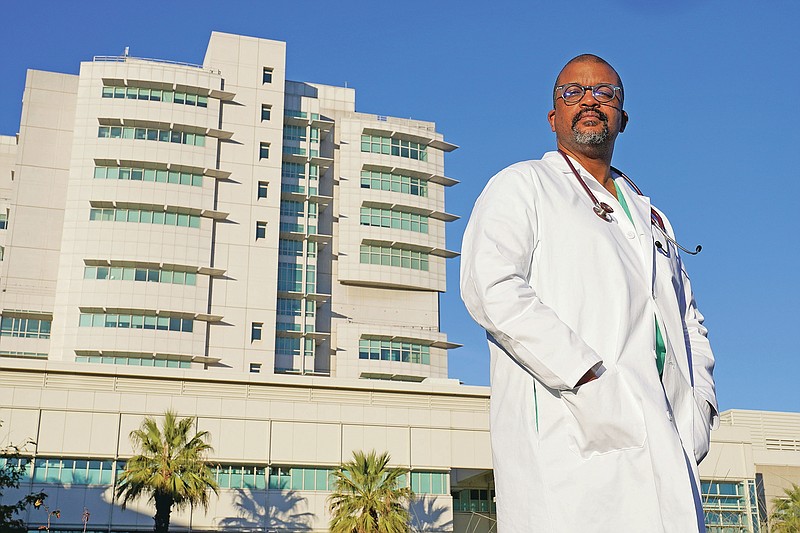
column 587, row 125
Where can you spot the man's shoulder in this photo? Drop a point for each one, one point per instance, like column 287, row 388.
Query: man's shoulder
column 530, row 169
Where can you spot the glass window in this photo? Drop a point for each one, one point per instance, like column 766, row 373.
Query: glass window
column 262, row 189
column 261, row 230
column 255, row 331
column 267, row 75
column 263, row 151
column 266, row 111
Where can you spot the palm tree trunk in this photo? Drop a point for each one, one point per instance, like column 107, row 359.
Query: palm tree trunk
column 163, row 511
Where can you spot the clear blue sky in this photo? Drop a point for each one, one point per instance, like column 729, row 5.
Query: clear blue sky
column 710, row 87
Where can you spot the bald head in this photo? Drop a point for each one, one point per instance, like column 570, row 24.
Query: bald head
column 585, row 58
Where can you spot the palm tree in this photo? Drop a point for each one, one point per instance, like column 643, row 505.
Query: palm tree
column 170, row 468
column 786, row 512
column 369, row 497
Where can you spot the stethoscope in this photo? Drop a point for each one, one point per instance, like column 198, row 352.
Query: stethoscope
column 603, row 210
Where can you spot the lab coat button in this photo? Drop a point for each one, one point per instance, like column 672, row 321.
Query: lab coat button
column 669, row 416
column 630, row 235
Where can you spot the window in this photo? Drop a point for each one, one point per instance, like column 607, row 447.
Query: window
column 72, row 471
column 296, row 478
column 429, row 482
column 117, row 273
column 146, row 216
column 474, row 500
column 148, row 174
column 287, row 345
column 151, row 134
column 396, row 219
column 134, row 359
column 393, row 256
column 394, row 146
column 267, row 75
column 266, row 111
column 387, row 181
column 290, row 247
column 2, row 252
column 263, row 152
column 294, row 133
column 156, row 95
column 240, row 476
column 290, row 277
column 255, row 368
column 4, row 219
column 262, row 189
column 31, row 328
column 136, row 321
column 255, row 331
column 261, row 230
column 401, row 352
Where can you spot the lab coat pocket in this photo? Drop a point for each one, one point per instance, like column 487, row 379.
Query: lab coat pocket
column 701, row 430
column 604, row 417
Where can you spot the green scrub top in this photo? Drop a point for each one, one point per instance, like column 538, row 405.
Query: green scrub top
column 661, row 347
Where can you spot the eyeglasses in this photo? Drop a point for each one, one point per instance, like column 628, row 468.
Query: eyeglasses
column 572, row 93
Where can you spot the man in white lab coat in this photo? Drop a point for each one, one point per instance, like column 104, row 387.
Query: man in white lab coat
column 602, row 375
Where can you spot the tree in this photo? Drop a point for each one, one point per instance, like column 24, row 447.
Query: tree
column 170, row 468
column 12, row 470
column 785, row 516
column 369, row 497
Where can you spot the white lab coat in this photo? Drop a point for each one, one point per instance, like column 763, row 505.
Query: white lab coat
column 560, row 291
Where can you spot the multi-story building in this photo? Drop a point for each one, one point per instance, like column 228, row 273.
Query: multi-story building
column 251, row 251
column 220, row 217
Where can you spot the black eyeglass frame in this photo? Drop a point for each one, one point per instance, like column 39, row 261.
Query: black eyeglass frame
column 560, row 92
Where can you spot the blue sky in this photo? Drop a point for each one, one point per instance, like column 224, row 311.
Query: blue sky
column 709, row 88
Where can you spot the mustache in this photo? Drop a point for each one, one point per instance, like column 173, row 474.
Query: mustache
column 600, row 115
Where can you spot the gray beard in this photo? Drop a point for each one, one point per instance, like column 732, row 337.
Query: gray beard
column 595, row 138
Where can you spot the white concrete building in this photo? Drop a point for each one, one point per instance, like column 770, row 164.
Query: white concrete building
column 251, row 251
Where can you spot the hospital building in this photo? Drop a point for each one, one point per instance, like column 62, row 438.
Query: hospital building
column 252, row 251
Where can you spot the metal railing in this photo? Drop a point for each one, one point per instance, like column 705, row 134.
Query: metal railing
column 124, row 58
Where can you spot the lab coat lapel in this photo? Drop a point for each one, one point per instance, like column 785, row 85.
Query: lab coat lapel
column 640, row 212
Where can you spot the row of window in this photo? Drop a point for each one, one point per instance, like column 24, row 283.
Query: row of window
column 148, row 174
column 99, row 472
column 391, row 218
column 393, row 256
column 155, row 95
column 392, row 146
column 151, row 134
column 388, row 181
column 383, row 350
column 31, row 328
column 133, row 360
column 141, row 274
column 135, row 321
column 146, row 216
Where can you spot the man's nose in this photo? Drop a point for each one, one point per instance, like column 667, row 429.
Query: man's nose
column 588, row 99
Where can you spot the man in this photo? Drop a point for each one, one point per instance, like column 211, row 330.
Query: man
column 602, row 388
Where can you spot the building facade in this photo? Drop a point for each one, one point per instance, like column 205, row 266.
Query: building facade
column 253, row 252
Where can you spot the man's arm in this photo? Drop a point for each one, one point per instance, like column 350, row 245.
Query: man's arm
column 702, row 356
column 496, row 257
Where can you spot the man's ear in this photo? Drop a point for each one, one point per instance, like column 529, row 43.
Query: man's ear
column 624, row 122
column 551, row 118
